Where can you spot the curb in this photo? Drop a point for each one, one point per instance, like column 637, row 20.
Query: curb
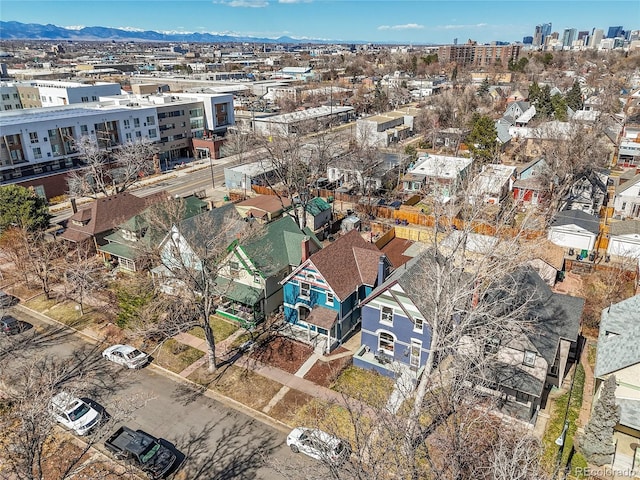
column 227, row 401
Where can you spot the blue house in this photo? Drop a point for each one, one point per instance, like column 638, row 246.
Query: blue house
column 395, row 335
column 322, row 296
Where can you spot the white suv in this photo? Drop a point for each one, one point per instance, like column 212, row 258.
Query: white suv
column 73, row 413
column 319, row 445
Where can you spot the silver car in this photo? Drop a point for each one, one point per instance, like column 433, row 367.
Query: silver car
column 319, row 445
column 74, row 413
column 126, row 355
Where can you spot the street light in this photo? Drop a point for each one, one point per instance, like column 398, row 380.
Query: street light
column 213, row 182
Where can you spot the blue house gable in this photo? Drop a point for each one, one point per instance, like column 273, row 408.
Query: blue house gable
column 395, row 335
column 323, row 295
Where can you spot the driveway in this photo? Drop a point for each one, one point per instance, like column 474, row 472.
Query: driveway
column 217, row 441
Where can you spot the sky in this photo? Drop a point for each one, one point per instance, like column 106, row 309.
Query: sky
column 401, row 21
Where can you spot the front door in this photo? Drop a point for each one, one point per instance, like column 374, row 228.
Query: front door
column 414, row 360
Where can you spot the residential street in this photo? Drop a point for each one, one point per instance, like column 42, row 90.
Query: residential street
column 218, row 442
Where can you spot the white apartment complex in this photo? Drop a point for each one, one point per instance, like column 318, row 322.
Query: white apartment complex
column 41, row 141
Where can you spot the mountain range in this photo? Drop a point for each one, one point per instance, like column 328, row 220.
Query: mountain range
column 35, row 31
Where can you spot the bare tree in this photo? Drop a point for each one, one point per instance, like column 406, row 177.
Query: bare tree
column 109, row 172
column 32, row 446
column 188, row 265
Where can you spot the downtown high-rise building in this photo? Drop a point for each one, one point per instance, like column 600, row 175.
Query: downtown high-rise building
column 596, row 37
column 615, row 32
column 568, row 37
column 540, row 33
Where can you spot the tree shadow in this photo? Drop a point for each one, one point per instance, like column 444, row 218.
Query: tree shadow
column 238, row 453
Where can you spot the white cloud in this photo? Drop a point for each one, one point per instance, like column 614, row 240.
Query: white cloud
column 459, row 27
column 244, row 3
column 406, row 26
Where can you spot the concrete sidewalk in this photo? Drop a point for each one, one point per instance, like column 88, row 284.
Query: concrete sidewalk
column 286, row 379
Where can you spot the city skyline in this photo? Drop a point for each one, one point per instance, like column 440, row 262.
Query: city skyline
column 419, row 22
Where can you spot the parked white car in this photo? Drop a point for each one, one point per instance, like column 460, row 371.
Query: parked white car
column 73, row 413
column 126, row 355
column 319, row 445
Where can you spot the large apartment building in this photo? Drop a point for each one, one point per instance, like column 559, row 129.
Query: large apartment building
column 478, row 55
column 38, row 142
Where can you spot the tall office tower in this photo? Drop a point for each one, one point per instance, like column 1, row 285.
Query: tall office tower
column 546, row 30
column 527, row 40
column 596, row 38
column 582, row 34
column 537, row 36
column 568, row 37
column 615, row 32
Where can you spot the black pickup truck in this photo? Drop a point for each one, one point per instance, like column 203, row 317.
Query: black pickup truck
column 141, row 449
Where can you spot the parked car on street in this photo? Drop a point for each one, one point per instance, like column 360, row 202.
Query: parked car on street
column 126, row 355
column 10, row 326
column 7, row 300
column 141, row 449
column 73, row 413
column 319, row 445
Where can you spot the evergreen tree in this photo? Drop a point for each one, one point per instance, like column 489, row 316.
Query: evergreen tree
column 597, row 441
column 534, row 93
column 559, row 107
column 574, row 97
column 380, row 99
column 21, row 207
column 482, row 139
column 484, row 87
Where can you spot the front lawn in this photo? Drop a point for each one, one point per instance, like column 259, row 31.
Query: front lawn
column 222, row 329
column 556, row 424
column 244, row 386
column 176, row 356
column 287, row 409
column 365, row 385
column 67, row 312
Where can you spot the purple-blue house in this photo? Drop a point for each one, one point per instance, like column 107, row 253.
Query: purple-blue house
column 395, row 335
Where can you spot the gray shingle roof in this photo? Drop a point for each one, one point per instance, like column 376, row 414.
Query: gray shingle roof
column 619, row 339
column 628, row 227
column 579, row 218
column 627, row 184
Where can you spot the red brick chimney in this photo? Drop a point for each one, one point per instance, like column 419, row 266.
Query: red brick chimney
column 305, row 249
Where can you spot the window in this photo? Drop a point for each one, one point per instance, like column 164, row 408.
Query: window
column 386, row 342
column 329, row 298
column 33, row 136
column 37, row 153
column 136, row 122
column 84, row 130
column 138, row 134
column 83, row 99
column 152, row 133
column 127, row 124
column 418, row 325
column 5, row 96
column 128, row 136
column 16, row 96
column 151, row 121
column 8, row 107
column 491, row 345
column 305, row 289
column 529, row 358
column 94, row 98
column 234, row 269
column 386, row 315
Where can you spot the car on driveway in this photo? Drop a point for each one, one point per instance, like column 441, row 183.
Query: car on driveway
column 126, row 355
column 10, row 326
column 319, row 445
column 73, row 413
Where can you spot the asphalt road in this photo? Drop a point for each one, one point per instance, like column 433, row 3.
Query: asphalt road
column 218, row 442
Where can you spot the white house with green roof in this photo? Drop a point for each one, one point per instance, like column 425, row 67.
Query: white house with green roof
column 133, row 237
column 253, row 270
